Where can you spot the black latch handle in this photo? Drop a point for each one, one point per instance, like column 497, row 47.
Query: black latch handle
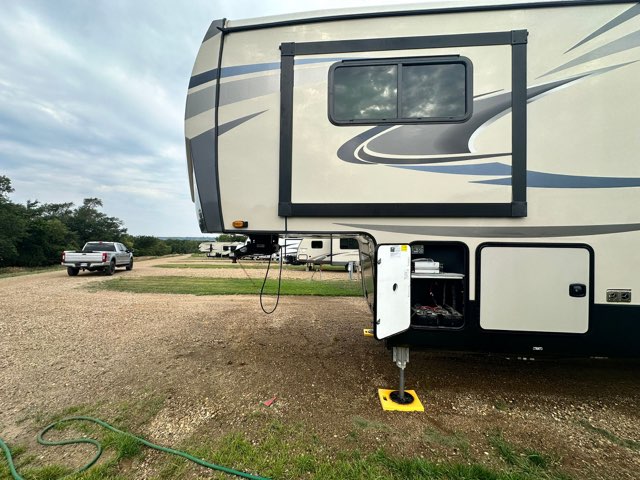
column 577, row 290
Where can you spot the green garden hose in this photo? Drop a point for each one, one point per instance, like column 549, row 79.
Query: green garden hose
column 98, row 446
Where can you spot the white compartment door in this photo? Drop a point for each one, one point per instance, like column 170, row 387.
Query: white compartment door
column 393, row 290
column 535, row 289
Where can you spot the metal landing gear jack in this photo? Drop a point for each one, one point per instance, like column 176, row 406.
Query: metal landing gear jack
column 401, row 399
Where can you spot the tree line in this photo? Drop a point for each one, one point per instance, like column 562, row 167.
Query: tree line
column 35, row 234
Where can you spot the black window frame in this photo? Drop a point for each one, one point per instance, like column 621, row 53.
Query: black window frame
column 400, row 63
column 516, row 208
column 314, row 244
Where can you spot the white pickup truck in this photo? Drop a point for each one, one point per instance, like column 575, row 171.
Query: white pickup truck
column 103, row 256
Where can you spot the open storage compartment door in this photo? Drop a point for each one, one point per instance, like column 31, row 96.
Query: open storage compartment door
column 393, row 290
column 545, row 288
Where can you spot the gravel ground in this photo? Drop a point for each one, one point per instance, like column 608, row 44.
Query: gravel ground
column 214, row 359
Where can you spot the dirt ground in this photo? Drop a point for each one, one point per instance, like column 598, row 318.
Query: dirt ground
column 215, row 359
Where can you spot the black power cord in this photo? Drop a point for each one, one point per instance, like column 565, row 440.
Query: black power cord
column 264, row 282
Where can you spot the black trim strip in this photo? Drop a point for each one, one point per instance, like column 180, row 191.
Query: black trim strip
column 517, row 208
column 403, row 43
column 216, row 109
column 397, row 209
column 519, row 117
column 434, row 11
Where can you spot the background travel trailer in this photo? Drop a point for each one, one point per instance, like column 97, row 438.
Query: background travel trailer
column 484, row 155
column 218, row 249
column 289, row 249
column 329, row 251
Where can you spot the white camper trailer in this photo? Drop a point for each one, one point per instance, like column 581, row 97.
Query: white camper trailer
column 289, row 249
column 206, row 247
column 221, row 249
column 332, row 250
column 485, row 155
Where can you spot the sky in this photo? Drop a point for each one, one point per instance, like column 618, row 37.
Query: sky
column 92, row 98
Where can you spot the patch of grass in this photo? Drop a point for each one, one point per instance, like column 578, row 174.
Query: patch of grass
column 203, row 265
column 246, row 266
column 455, row 440
column 229, row 286
column 292, row 452
column 613, row 438
column 6, row 272
column 282, row 451
column 365, row 424
column 525, row 461
column 118, row 448
column 24, row 466
column 49, row 472
column 131, row 415
column 123, row 445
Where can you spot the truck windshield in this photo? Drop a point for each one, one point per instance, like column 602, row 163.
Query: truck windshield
column 98, row 247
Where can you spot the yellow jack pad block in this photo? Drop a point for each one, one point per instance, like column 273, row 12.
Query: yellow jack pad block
column 390, row 405
column 367, row 332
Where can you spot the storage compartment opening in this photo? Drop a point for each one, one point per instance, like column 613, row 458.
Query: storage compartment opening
column 439, row 274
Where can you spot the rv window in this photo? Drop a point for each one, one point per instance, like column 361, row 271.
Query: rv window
column 365, row 92
column 348, row 244
column 412, row 90
column 316, row 243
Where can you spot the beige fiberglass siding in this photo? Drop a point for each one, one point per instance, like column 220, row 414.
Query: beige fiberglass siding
column 316, row 165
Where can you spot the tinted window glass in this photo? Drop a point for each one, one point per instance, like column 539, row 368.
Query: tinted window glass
column 401, row 91
column 433, row 90
column 365, row 92
column 348, row 244
column 316, row 244
column 99, row 247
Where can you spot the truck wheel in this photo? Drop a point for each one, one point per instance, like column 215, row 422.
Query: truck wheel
column 130, row 265
column 110, row 270
column 72, row 271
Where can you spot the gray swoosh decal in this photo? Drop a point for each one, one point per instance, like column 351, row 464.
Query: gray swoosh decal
column 502, row 232
column 200, row 101
column 623, row 17
column 235, row 70
column 556, row 180
column 403, row 161
column 493, row 168
column 214, row 29
column 534, row 179
column 239, row 90
column 225, row 127
column 627, row 42
column 347, row 149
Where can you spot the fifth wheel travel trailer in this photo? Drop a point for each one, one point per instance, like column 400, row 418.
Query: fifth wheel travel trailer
column 485, row 155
